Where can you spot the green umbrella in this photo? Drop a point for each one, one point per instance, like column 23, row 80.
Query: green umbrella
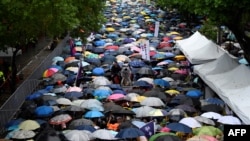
column 207, row 130
column 155, row 136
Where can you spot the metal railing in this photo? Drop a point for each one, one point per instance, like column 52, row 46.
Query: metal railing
column 12, row 106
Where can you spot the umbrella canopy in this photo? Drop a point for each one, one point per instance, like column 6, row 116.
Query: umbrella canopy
column 190, row 122
column 155, row 136
column 29, row 125
column 212, row 108
column 202, row 138
column 204, row 120
column 211, row 115
column 79, row 122
column 215, row 101
column 103, row 134
column 116, row 96
column 61, row 119
column 44, row 111
column 207, row 130
column 92, row 104
column 129, row 133
column 78, row 135
column 93, row 114
column 152, row 101
column 64, row 101
column 73, row 94
column 228, row 119
column 23, row 134
column 161, row 82
column 143, row 111
column 89, row 128
column 179, row 127
column 146, row 71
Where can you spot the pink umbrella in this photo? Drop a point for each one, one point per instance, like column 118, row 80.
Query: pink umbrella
column 135, row 48
column 116, row 96
column 181, row 71
column 165, row 129
column 162, row 63
column 74, row 89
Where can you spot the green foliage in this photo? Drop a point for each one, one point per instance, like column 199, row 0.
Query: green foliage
column 210, row 31
column 21, row 19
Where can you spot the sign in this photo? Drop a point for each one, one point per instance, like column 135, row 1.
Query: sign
column 148, row 129
column 157, row 25
column 144, row 45
column 236, row 132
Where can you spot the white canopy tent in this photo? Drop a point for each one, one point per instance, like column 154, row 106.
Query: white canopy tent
column 198, row 49
column 229, row 80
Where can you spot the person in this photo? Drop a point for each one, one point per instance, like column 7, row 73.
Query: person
column 115, row 70
column 125, row 75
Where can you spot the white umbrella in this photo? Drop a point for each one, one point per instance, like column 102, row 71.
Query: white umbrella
column 204, row 120
column 169, row 79
column 122, row 58
column 23, row 134
column 143, row 111
column 232, row 120
column 190, row 122
column 103, row 134
column 92, row 104
column 211, row 115
column 78, row 102
column 100, row 81
column 147, row 79
column 78, row 135
column 64, row 101
column 152, row 101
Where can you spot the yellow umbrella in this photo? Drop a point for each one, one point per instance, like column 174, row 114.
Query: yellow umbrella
column 29, row 125
column 173, row 69
column 138, row 98
column 126, row 17
column 143, row 13
column 178, row 38
column 179, row 57
column 110, row 29
column 172, row 92
column 157, row 113
column 147, row 17
column 174, row 33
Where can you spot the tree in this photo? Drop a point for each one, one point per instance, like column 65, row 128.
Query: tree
column 24, row 19
column 233, row 14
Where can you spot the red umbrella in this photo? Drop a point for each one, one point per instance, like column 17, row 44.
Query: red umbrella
column 60, row 120
column 111, row 47
column 49, row 72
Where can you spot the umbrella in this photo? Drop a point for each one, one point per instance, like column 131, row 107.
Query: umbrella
column 172, row 92
column 61, row 119
column 157, row 113
column 116, row 96
column 215, row 101
column 155, row 93
column 103, row 134
column 202, row 138
column 207, row 130
column 73, row 94
column 190, row 122
column 152, row 101
column 137, row 63
column 92, row 104
column 93, row 114
column 64, row 101
column 204, row 120
column 228, row 119
column 212, row 108
column 146, row 71
column 58, row 77
column 98, row 71
column 129, row 133
column 211, row 115
column 147, row 79
column 122, row 58
column 73, row 108
column 155, row 136
column 142, row 83
column 116, row 109
column 89, row 128
column 186, row 108
column 143, row 111
column 168, row 138
column 194, row 93
column 78, row 135
column 49, row 72
column 161, row 82
column 29, row 125
column 74, row 89
column 138, row 123
column 23, row 134
column 100, row 81
column 44, row 111
column 79, row 122
column 179, row 127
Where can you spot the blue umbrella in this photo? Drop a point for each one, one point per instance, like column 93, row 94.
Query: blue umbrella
column 44, row 111
column 243, row 61
column 215, row 100
column 169, row 61
column 86, row 127
column 101, row 93
column 78, row 43
column 179, row 127
column 119, row 91
column 115, row 86
column 73, row 94
column 159, row 56
column 93, row 114
column 161, row 82
column 98, row 71
column 142, row 83
column 129, row 133
column 137, row 63
column 13, row 123
column 194, row 93
column 169, row 54
column 34, row 95
column 157, row 68
column 94, row 61
column 98, row 50
column 99, row 43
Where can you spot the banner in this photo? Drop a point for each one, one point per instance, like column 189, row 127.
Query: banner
column 144, row 45
column 157, row 25
column 148, row 129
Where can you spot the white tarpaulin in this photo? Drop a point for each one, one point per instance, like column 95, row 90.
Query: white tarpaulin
column 230, row 81
column 198, row 49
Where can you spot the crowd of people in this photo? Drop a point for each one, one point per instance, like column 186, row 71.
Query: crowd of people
column 107, row 90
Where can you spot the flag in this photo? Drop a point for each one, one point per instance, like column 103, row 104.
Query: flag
column 148, row 129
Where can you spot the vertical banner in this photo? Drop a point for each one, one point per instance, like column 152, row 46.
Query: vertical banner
column 157, row 25
column 148, row 129
column 144, row 45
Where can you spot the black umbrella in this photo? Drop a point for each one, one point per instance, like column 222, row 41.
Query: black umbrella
column 145, row 71
column 168, row 138
column 155, row 93
column 116, row 109
column 212, row 108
